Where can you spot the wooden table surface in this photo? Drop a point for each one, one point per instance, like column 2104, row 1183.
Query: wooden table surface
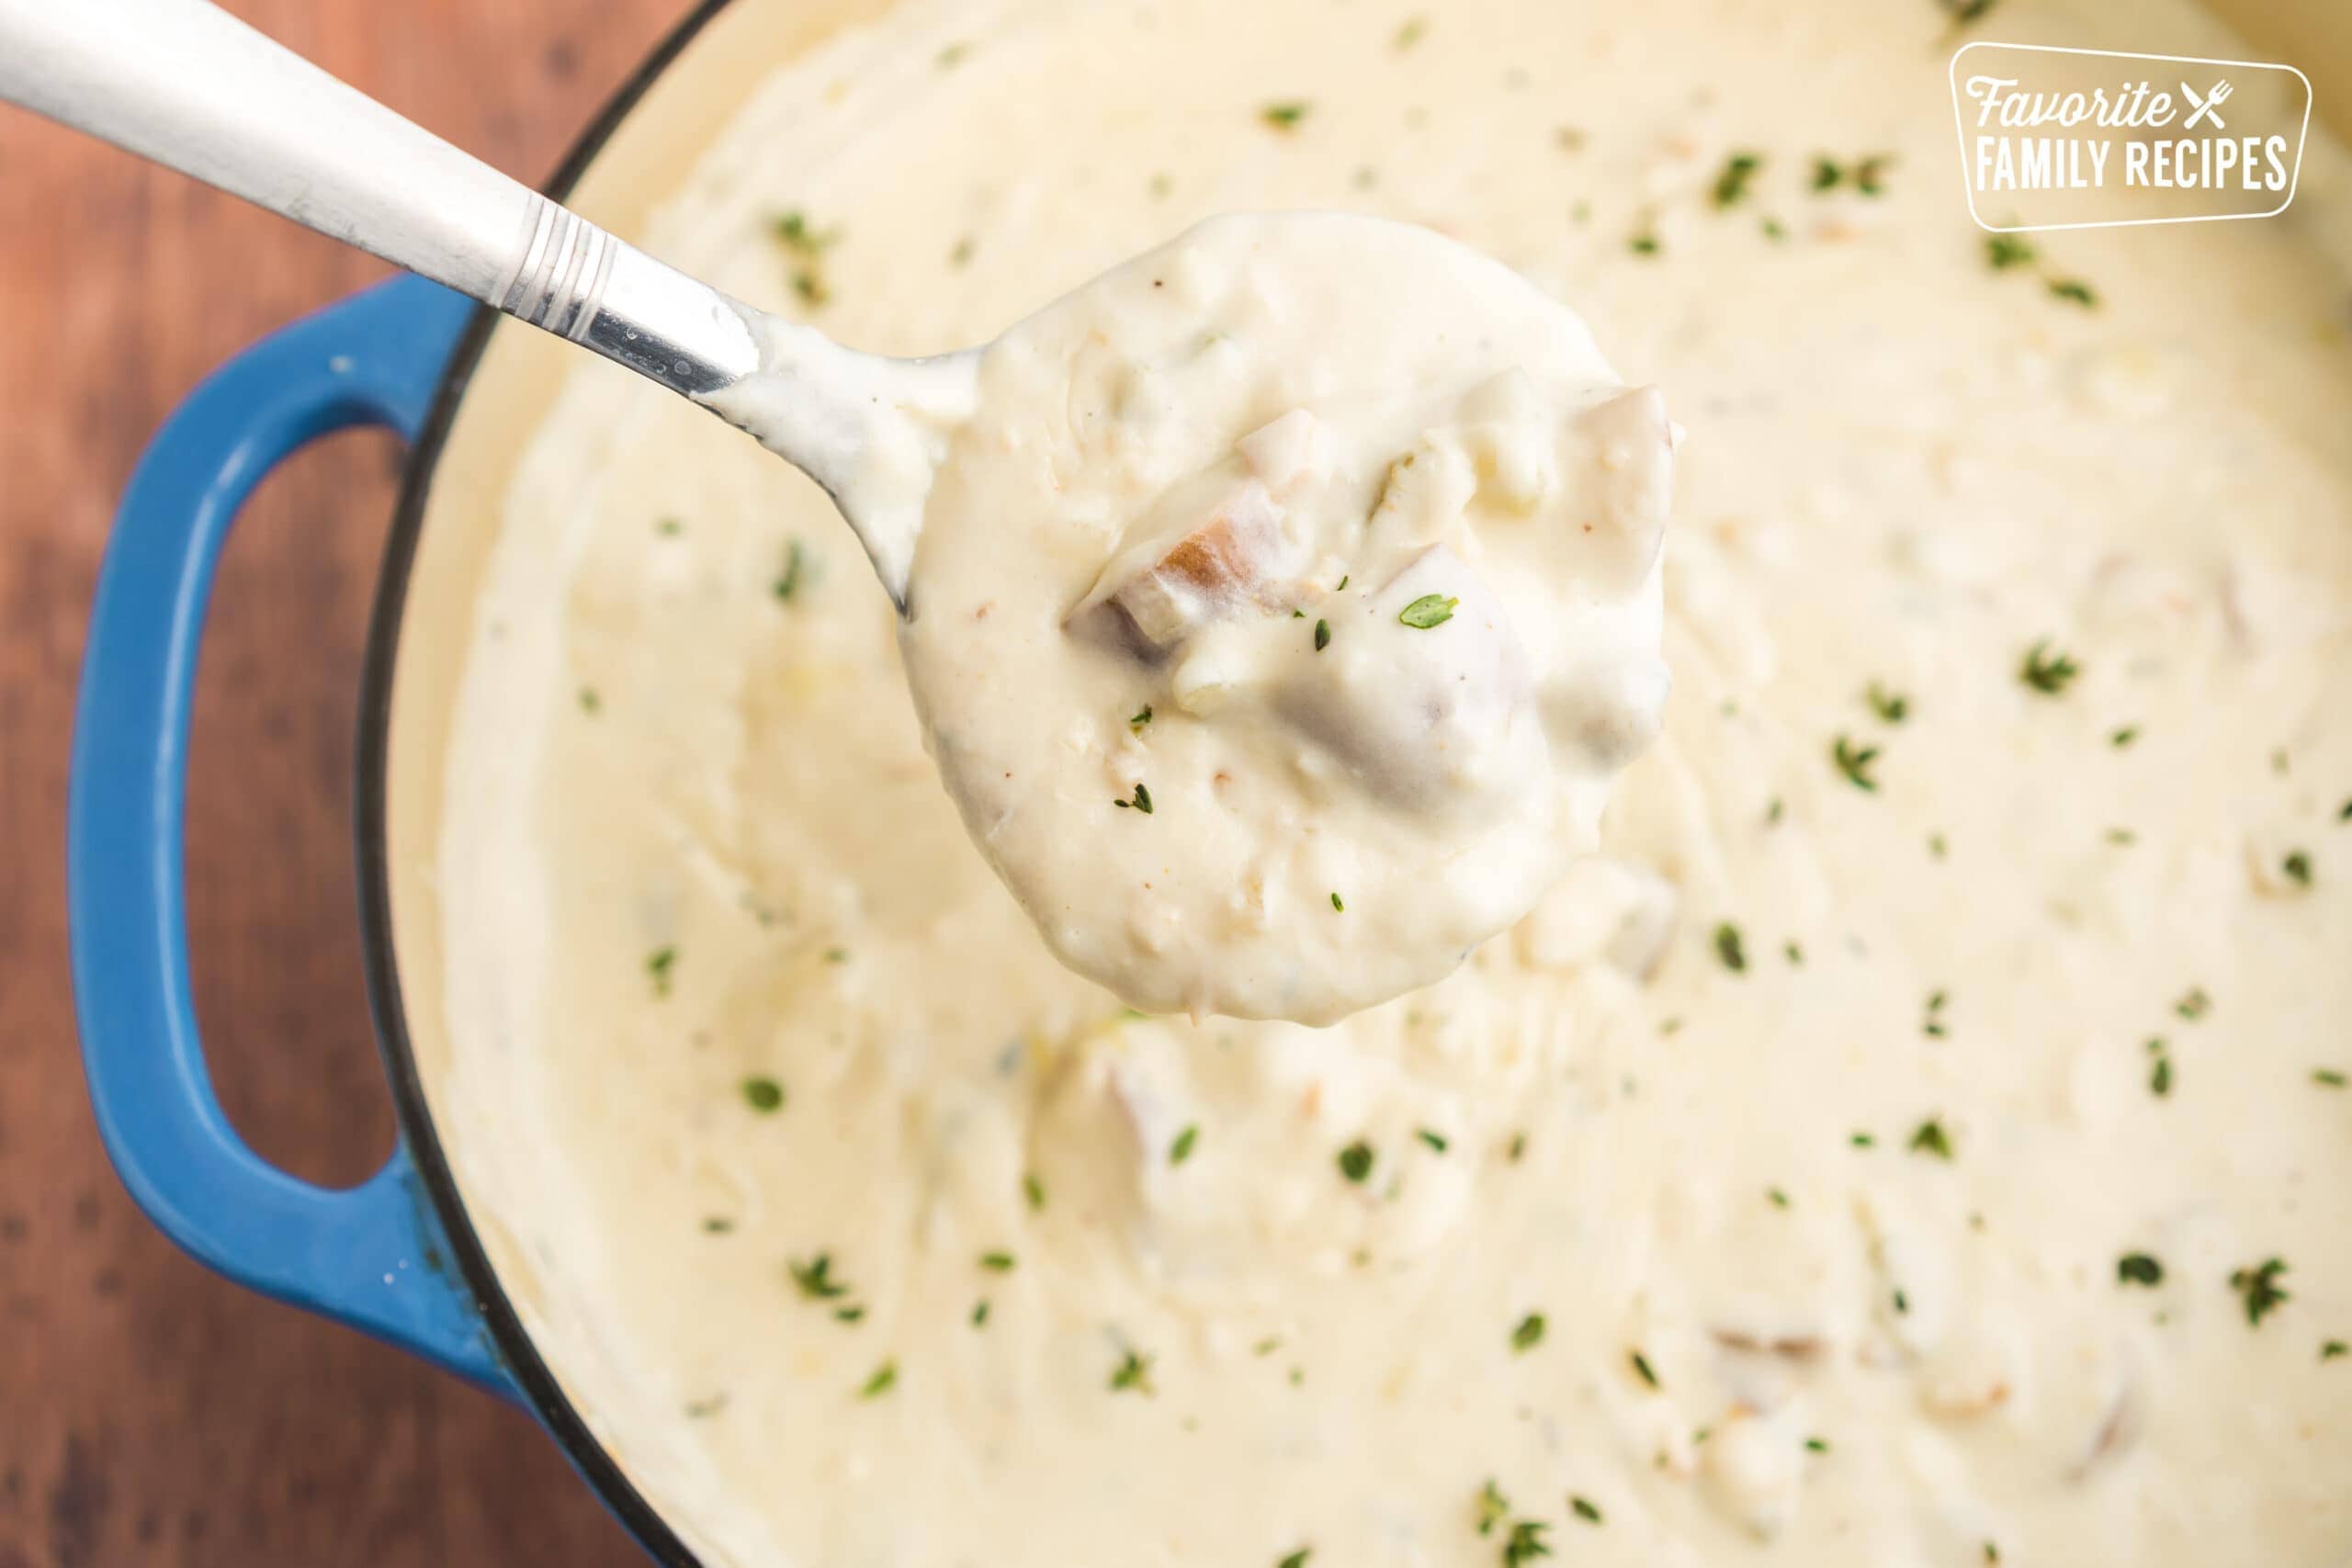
column 150, row 1412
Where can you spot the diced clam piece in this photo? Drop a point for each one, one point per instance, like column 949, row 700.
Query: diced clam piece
column 1214, row 548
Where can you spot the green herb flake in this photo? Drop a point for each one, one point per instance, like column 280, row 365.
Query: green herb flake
column 589, row 701
column 1141, row 800
column 1586, row 1509
column 1297, row 1559
column 998, row 1262
column 1934, row 1028
column 1645, row 243
column 2003, row 252
column 1739, row 172
column 1862, row 1141
column 2139, row 1268
column 1493, row 1507
column 659, row 964
column 1731, row 948
column 1141, row 717
column 796, row 561
column 2194, row 1004
column 2332, row 1349
column 1828, row 173
column 2074, row 291
column 1774, row 229
column 1181, row 1149
column 1992, row 1549
column 1778, row 1199
column 884, row 1379
column 1433, row 1138
column 1869, row 174
column 1931, row 1139
column 1817, row 1445
column 961, row 256
column 1284, row 116
column 1415, row 30
column 1525, row 1543
column 1034, row 1190
column 1516, row 1149
column 980, row 1313
column 2344, row 814
column 953, row 56
column 717, row 1225
column 1133, row 1373
column 2328, row 1077
column 1338, row 903
column 1322, row 635
column 2123, row 737
column 1854, row 761
column 1642, row 1368
column 763, row 1094
column 816, row 1279
column 1428, row 611
column 1529, row 1333
column 1892, row 708
column 2046, row 669
column 1356, row 1161
column 1794, row 954
column 849, row 1313
column 2160, row 1072
column 2260, row 1288
column 802, row 237
column 2297, row 867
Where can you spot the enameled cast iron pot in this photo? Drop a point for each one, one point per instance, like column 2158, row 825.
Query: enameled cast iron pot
column 400, row 1255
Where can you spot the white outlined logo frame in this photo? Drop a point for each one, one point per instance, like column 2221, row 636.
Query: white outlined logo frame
column 1959, row 128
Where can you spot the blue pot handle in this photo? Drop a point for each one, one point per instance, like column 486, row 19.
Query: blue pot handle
column 375, row 1255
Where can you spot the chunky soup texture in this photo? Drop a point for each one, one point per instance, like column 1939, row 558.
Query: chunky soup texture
column 1918, row 1137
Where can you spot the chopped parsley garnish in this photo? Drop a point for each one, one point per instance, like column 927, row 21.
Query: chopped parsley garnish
column 808, row 246
column 980, row 1313
column 1778, row 1199
column 717, row 1225
column 1284, row 116
column 2074, row 291
column 2047, row 670
column 1338, row 903
column 1429, row 610
column 763, row 1094
column 2160, row 1070
column 2006, row 251
column 1645, row 243
column 816, row 1279
column 2260, row 1287
column 1854, row 761
column 1136, row 721
column 1739, row 172
column 1297, row 1559
column 2346, row 814
column 1641, row 1367
column 2138, row 1268
column 2297, row 867
column 2194, row 1004
column 1817, row 1445
column 669, row 527
column 1793, row 952
column 961, row 256
column 589, row 701
column 850, row 1314
column 1528, row 1334
column 952, row 56
column 1869, row 174
column 1585, row 1508
column 2123, row 837
column 1322, row 635
column 1992, row 1549
column 2327, row 1078
column 1134, row 1372
column 884, row 1379
column 1434, row 1139
column 1863, row 1141
column 998, row 1262
column 1355, row 1160
column 1493, row 1507
column 1931, row 1139
column 795, row 564
column 1902, row 1304
column 1774, row 229
column 1525, row 1543
column 1141, row 800
column 2125, row 737
column 1892, row 708
column 1516, row 1149
column 1343, row 582
column 1828, row 173
column 2332, row 1349
column 1935, row 1028
column 1731, row 948
column 1181, row 1149
column 1412, row 32
column 659, row 964
column 1034, row 1190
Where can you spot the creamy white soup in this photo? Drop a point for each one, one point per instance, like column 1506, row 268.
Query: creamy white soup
column 1918, row 1136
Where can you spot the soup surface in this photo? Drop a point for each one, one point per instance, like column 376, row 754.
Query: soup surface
column 1920, row 1137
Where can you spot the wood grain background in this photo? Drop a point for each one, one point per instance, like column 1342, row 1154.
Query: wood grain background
column 151, row 1413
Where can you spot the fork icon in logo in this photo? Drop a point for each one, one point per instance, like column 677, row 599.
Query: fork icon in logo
column 2206, row 108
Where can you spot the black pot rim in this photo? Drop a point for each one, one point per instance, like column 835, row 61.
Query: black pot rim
column 516, row 1351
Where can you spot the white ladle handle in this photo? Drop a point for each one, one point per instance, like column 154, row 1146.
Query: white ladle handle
column 188, row 86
